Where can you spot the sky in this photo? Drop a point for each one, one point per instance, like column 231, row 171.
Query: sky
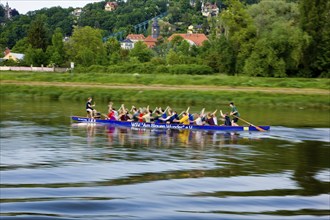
column 23, row 6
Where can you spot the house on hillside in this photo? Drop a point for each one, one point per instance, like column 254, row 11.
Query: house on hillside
column 192, row 39
column 111, row 6
column 195, row 29
column 193, row 3
column 135, row 37
column 209, row 9
column 127, row 44
column 130, row 40
column 77, row 12
column 150, row 41
column 12, row 56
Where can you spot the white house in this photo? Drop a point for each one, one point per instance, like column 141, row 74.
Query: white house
column 127, row 44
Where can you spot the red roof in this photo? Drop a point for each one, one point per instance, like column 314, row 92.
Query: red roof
column 150, row 41
column 211, row 6
column 113, row 4
column 197, row 39
column 135, row 37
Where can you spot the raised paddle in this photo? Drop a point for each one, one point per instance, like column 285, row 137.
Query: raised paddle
column 258, row 128
column 154, row 110
column 180, row 114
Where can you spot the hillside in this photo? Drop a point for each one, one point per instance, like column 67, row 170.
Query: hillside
column 268, row 38
column 128, row 14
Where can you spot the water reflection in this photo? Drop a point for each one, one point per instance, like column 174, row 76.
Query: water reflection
column 164, row 138
column 104, row 172
column 52, row 170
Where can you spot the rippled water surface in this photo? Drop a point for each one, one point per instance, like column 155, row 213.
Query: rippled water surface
column 53, row 169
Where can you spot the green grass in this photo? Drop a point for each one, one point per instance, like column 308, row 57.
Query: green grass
column 172, row 97
column 168, row 79
column 166, row 97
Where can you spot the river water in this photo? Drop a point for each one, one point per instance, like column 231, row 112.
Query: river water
column 54, row 169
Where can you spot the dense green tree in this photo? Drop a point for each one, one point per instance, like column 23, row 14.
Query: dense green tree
column 266, row 13
column 173, row 58
column 314, row 19
column 141, row 52
column 38, row 35
column 56, row 52
column 86, row 47
column 13, row 31
column 175, row 42
column 112, row 47
column 35, row 57
column 2, row 13
column 238, row 27
column 21, row 46
column 14, row 13
column 280, row 42
column 184, row 47
column 218, row 54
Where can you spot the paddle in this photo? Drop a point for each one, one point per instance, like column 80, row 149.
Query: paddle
column 121, row 107
column 258, row 128
column 180, row 114
column 166, row 108
column 202, row 112
column 154, row 110
column 187, row 111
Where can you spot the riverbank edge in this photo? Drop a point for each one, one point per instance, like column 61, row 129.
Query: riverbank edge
column 170, row 80
column 167, row 95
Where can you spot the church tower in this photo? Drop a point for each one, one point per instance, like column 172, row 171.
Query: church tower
column 155, row 29
column 7, row 11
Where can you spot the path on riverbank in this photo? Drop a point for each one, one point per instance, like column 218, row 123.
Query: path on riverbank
column 306, row 91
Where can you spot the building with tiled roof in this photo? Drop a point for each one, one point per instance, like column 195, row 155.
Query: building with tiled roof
column 192, row 39
column 209, row 9
column 12, row 56
column 111, row 6
column 150, row 41
column 135, row 37
column 77, row 12
column 127, row 44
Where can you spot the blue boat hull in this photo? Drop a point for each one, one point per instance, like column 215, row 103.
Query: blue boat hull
column 167, row 126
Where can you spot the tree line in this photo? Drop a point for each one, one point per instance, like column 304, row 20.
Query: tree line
column 271, row 38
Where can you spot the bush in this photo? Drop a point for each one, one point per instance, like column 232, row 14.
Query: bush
column 190, row 69
column 145, row 68
column 81, row 69
column 97, row 69
column 162, row 69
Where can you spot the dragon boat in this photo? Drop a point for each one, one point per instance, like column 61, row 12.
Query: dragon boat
column 79, row 119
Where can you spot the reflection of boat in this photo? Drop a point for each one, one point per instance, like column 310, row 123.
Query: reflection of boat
column 167, row 126
column 137, row 137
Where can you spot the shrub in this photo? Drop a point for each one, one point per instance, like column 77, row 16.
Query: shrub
column 145, row 68
column 97, row 69
column 162, row 69
column 190, row 69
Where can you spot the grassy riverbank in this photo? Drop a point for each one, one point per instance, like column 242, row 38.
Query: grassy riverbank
column 164, row 97
column 168, row 79
column 167, row 89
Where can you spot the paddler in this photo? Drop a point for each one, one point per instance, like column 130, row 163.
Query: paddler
column 225, row 118
column 89, row 108
column 184, row 120
column 234, row 112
